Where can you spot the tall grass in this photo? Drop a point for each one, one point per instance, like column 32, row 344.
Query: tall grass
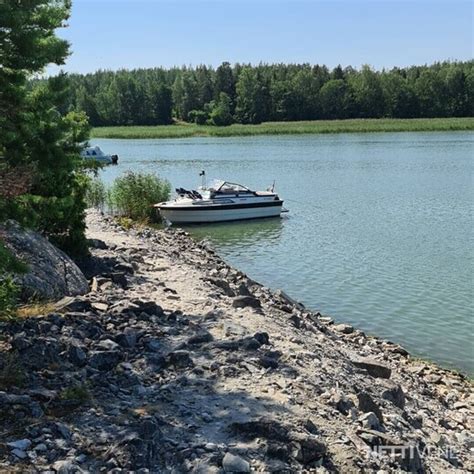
column 96, row 193
column 133, row 195
column 287, row 128
column 9, row 290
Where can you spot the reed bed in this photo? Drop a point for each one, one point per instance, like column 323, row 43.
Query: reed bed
column 288, row 128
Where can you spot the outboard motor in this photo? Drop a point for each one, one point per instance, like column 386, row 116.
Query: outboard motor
column 114, row 159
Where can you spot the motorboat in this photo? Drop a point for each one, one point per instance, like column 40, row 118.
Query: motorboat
column 222, row 201
column 96, row 154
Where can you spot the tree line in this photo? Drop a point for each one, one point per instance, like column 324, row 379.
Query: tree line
column 278, row 92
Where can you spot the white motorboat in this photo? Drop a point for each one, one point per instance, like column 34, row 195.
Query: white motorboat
column 223, row 201
column 96, row 154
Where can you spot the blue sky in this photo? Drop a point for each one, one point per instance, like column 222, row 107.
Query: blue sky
column 128, row 33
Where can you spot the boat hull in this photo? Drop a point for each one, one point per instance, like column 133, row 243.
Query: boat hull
column 187, row 215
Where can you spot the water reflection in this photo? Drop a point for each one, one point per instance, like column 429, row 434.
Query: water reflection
column 251, row 233
column 379, row 233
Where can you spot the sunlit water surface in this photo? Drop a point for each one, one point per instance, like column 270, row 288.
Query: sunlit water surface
column 379, row 232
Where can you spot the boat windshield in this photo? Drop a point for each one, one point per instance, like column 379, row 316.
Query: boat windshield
column 226, row 187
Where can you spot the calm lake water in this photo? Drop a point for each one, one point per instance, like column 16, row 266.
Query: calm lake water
column 379, row 232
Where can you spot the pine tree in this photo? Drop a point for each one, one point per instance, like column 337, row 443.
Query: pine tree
column 33, row 131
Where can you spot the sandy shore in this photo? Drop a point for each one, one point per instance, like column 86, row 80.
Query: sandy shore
column 184, row 364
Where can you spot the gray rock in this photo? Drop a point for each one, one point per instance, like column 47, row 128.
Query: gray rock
column 246, row 301
column 200, row 338
column 373, row 367
column 127, row 339
column 149, row 307
column 77, row 304
column 395, row 395
column 97, row 244
column 20, row 454
column 367, row 404
column 77, row 355
column 43, row 394
column 22, row 444
column 232, row 463
column 51, row 273
column 308, row 448
column 11, row 399
column 153, row 345
column 262, row 428
column 268, row 362
column 262, row 338
column 344, row 328
column 179, row 359
column 98, row 306
column 223, row 285
column 20, row 341
column 107, row 345
column 66, row 466
column 104, row 360
column 124, row 267
column 119, row 278
column 341, row 403
column 249, row 343
column 242, row 290
column 288, row 299
column 370, row 420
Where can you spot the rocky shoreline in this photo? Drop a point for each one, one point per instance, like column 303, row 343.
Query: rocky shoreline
column 177, row 362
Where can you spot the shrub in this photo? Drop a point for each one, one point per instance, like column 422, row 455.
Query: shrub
column 9, row 296
column 221, row 113
column 133, row 195
column 199, row 117
column 9, row 291
column 9, row 263
column 95, row 193
column 12, row 373
column 76, row 393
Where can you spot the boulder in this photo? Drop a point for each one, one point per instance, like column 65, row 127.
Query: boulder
column 373, row 367
column 244, row 301
column 104, row 360
column 232, row 463
column 344, row 328
column 367, row 404
column 395, row 395
column 51, row 273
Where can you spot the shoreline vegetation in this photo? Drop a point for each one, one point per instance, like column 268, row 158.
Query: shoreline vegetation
column 186, row 130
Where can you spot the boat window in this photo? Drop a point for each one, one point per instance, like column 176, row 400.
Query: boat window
column 233, row 188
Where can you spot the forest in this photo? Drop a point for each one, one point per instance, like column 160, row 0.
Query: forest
column 271, row 92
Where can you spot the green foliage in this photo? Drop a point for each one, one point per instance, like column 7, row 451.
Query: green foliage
column 9, row 297
column 250, row 97
column 199, row 117
column 95, row 193
column 76, row 393
column 221, row 114
column 133, row 195
column 12, row 373
column 335, row 98
column 9, row 263
column 9, row 291
column 34, row 127
column 274, row 92
column 289, row 128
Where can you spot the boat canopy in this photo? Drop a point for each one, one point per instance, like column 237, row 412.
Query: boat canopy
column 92, row 151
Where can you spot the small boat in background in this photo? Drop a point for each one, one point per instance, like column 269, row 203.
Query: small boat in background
column 222, row 201
column 96, row 154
